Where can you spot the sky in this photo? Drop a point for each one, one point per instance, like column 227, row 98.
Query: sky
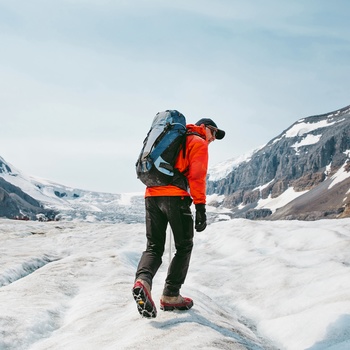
column 82, row 80
column 270, row 285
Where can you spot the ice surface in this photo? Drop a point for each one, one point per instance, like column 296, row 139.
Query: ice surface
column 255, row 285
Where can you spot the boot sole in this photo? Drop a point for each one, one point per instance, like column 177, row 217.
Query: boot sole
column 144, row 302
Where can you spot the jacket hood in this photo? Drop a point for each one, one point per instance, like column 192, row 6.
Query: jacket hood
column 197, row 129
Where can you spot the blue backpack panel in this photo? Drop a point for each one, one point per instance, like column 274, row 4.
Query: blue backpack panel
column 155, row 165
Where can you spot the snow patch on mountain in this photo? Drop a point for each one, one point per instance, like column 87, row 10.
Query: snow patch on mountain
column 306, row 141
column 302, row 128
column 262, row 187
column 274, row 203
column 340, row 175
column 221, row 170
column 215, row 198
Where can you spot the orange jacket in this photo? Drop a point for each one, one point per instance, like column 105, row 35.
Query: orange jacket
column 194, row 166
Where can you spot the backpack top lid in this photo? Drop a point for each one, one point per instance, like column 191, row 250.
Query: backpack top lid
column 220, row 134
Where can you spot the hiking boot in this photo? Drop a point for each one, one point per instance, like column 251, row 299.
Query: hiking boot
column 175, row 303
column 141, row 292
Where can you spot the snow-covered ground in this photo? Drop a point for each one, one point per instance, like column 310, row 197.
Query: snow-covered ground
column 255, row 285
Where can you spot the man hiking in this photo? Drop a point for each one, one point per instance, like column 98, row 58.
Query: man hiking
column 172, row 204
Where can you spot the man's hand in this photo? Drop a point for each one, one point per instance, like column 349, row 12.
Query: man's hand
column 201, row 218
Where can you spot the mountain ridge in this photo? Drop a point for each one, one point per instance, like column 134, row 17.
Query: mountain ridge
column 303, row 156
column 303, row 173
column 53, row 201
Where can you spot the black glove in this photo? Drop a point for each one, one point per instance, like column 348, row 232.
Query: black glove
column 201, row 218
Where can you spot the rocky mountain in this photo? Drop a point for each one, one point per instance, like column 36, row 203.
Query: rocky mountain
column 303, row 173
column 26, row 197
column 16, row 204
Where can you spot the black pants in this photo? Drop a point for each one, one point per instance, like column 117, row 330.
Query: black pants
column 159, row 212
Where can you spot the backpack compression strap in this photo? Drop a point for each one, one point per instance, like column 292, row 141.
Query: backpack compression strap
column 180, row 180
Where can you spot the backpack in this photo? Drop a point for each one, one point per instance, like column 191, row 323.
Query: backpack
column 155, row 165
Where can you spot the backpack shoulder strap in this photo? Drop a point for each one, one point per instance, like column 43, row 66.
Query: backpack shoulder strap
column 184, row 140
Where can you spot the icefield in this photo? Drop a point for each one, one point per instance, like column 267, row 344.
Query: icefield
column 255, row 285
